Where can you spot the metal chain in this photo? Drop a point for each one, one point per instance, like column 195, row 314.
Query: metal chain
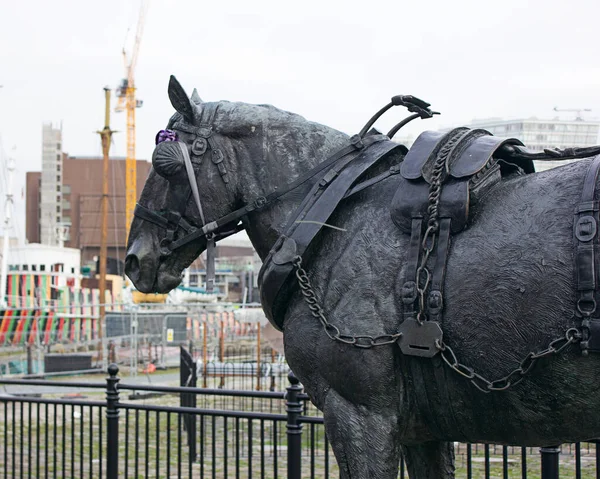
column 423, row 279
column 514, row 377
column 361, row 341
column 435, row 190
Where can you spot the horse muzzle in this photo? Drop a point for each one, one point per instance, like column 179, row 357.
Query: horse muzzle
column 141, row 267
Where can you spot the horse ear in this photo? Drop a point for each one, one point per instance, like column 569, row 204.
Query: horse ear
column 180, row 100
column 196, row 98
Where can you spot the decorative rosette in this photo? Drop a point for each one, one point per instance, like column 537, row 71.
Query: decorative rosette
column 165, row 135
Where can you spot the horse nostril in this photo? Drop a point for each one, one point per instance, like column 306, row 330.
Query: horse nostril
column 132, row 267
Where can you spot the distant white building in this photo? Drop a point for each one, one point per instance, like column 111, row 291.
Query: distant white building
column 63, row 264
column 539, row 134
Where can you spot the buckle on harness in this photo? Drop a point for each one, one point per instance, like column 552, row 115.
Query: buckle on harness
column 260, row 202
column 586, row 228
column 164, row 247
column 328, row 178
column 357, row 142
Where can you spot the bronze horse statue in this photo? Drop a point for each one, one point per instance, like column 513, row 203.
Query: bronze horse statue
column 509, row 291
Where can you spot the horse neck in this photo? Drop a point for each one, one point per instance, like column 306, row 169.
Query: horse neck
column 289, row 151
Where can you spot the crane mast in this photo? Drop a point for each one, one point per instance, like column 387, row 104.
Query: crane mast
column 128, row 102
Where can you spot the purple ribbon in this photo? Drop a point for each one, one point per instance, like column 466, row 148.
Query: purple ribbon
column 165, row 135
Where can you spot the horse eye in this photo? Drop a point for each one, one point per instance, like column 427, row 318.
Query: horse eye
column 166, row 159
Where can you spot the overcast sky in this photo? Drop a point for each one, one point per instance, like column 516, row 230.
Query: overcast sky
column 335, row 62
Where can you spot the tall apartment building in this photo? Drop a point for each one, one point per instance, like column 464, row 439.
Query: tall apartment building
column 50, row 210
column 540, row 134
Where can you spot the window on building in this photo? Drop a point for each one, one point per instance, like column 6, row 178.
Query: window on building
column 33, row 267
column 58, row 145
column 42, row 267
column 57, row 167
column 58, row 178
column 58, row 158
column 72, row 270
column 58, row 208
column 57, row 187
column 25, row 267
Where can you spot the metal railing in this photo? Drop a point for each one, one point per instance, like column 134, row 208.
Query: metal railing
column 75, row 432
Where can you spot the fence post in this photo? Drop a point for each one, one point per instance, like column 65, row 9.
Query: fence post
column 293, row 408
column 550, row 457
column 187, row 378
column 112, row 423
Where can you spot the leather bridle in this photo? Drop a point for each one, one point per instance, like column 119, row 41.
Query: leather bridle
column 204, row 140
column 173, row 220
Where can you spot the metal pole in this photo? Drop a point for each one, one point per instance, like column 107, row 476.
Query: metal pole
column 550, row 457
column 204, row 352
column 8, row 206
column 293, row 408
column 112, row 423
column 258, row 351
column 105, row 135
column 222, row 352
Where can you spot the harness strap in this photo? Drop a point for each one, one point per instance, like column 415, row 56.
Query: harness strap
column 192, row 178
column 436, row 301
column 148, row 215
column 263, row 201
column 394, row 170
column 409, row 287
column 585, row 236
column 210, row 245
column 278, row 266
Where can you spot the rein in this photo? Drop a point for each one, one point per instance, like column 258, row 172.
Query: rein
column 214, row 227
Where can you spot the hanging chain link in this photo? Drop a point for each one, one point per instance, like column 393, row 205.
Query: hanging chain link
column 513, row 378
column 423, row 278
column 362, row 341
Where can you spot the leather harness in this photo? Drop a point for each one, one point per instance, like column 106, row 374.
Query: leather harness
column 440, row 177
column 309, row 218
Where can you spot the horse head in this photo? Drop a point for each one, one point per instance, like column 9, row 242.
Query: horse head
column 211, row 169
column 190, row 184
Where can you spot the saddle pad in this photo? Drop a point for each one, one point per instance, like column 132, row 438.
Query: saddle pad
column 473, row 151
column 411, row 201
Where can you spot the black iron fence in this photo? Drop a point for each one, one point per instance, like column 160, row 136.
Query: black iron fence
column 109, row 430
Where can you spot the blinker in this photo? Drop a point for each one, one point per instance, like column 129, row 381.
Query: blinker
column 166, row 159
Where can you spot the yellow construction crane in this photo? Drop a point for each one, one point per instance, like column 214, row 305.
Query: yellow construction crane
column 128, row 102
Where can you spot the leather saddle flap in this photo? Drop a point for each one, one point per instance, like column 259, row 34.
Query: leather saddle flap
column 470, row 155
column 477, row 153
column 411, row 201
column 425, row 146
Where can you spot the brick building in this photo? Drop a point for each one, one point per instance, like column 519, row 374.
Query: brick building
column 80, row 192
